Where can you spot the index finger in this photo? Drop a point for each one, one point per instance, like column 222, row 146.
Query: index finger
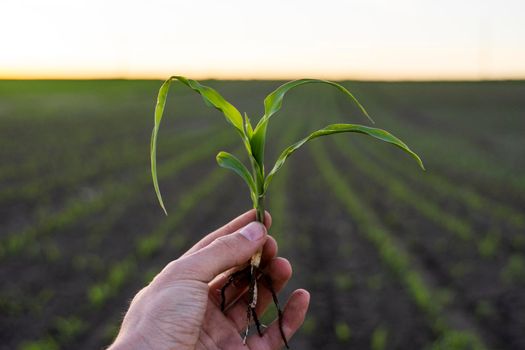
column 234, row 225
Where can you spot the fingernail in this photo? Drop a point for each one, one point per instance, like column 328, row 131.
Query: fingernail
column 253, row 231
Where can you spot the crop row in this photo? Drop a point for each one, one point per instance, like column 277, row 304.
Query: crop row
column 29, row 149
column 444, row 189
column 353, row 295
column 400, row 192
column 120, row 273
column 338, row 276
column 477, row 278
column 277, row 193
column 397, row 191
column 487, row 115
column 75, row 210
column 393, row 254
column 456, row 157
column 100, row 166
column 427, row 126
column 84, row 263
column 67, row 123
column 76, row 129
column 41, row 200
column 488, row 169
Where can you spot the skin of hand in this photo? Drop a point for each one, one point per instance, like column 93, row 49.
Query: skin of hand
column 180, row 308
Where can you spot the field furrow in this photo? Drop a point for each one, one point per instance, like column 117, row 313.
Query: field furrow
column 394, row 257
column 446, row 192
column 445, row 320
column 13, row 243
column 432, row 234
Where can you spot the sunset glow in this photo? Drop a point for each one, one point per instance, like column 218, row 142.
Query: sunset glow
column 276, row 39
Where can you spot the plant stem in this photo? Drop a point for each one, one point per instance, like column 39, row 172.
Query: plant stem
column 259, row 216
column 260, row 209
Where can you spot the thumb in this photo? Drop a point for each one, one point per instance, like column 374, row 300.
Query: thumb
column 222, row 254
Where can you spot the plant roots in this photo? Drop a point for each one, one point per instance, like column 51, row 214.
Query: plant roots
column 254, row 274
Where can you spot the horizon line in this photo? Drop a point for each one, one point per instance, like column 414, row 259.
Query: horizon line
column 199, row 74
column 269, row 77
column 211, row 78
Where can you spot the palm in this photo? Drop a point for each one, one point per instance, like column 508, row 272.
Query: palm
column 220, row 331
column 197, row 322
column 225, row 330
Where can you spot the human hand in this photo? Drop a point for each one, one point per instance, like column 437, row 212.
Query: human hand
column 180, row 308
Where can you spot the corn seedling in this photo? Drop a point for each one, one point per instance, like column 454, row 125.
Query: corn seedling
column 254, row 141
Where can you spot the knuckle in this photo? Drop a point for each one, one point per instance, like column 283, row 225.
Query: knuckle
column 167, row 272
column 172, row 274
column 171, row 268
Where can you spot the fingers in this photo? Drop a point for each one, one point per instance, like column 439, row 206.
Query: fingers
column 234, row 290
column 220, row 255
column 280, row 272
column 234, row 225
column 293, row 317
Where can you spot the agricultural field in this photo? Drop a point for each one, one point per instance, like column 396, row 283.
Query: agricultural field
column 394, row 257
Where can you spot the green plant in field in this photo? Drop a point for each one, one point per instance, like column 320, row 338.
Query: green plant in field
column 513, row 273
column 379, row 338
column 343, row 332
column 253, row 138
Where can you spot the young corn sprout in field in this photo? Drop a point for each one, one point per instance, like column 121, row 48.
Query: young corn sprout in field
column 258, row 180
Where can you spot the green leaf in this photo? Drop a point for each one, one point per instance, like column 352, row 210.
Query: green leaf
column 273, row 103
column 340, row 128
column 229, row 161
column 211, row 98
column 159, row 110
column 257, row 142
column 248, row 126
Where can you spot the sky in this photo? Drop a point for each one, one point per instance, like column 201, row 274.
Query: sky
column 243, row 39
